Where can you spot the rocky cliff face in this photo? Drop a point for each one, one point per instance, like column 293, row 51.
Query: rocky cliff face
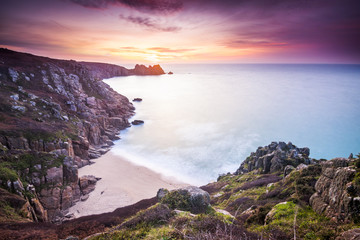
column 274, row 158
column 337, row 195
column 55, row 116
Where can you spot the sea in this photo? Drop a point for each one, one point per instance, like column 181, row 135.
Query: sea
column 204, row 120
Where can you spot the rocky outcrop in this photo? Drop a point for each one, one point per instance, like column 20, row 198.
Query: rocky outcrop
column 336, row 196
column 56, row 116
column 274, row 158
column 143, row 70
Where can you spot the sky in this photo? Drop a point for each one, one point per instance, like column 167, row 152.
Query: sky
column 184, row 31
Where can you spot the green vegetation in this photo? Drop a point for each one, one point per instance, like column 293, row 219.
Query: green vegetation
column 160, row 222
column 6, row 173
column 11, row 214
column 177, row 200
column 25, row 164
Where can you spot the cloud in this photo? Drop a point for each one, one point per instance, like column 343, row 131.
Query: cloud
column 249, row 43
column 164, row 6
column 149, row 23
column 170, row 50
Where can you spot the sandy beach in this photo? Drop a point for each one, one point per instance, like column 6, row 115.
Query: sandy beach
column 122, row 183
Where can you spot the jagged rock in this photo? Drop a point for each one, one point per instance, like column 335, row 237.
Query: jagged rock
column 137, row 122
column 137, row 99
column 118, row 122
column 17, row 143
column 274, row 158
column 40, row 212
column 66, row 198
column 50, row 199
column 55, row 176
column 87, row 183
column 70, row 170
column 170, row 73
column 288, row 169
column 332, row 197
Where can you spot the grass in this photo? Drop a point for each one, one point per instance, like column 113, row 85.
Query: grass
column 6, row 173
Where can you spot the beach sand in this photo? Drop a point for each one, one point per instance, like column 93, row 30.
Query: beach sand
column 122, row 183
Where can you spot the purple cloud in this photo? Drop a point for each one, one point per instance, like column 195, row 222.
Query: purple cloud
column 149, row 23
column 164, row 6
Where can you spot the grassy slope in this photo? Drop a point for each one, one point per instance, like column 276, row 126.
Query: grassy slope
column 261, row 205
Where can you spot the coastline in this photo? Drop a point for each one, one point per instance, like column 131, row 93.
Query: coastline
column 122, row 183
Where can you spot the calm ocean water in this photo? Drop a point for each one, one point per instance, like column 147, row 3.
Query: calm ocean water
column 206, row 119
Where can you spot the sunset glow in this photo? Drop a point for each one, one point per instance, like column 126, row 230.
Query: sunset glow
column 184, row 31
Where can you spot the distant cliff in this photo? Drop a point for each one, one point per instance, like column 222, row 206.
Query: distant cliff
column 56, row 115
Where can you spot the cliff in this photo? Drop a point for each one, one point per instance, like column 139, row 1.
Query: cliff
column 56, row 115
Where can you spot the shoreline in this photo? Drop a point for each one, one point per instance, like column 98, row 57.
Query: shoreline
column 122, row 183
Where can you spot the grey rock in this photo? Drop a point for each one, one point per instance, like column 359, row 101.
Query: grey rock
column 14, row 75
column 288, row 169
column 161, row 193
column 333, row 196
column 274, row 158
column 19, row 108
column 15, row 97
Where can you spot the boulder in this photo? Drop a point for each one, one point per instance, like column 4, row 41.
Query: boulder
column 87, row 183
column 162, row 193
column 288, row 169
column 137, row 122
column 190, row 198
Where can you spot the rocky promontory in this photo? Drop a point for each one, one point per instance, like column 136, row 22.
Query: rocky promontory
column 55, row 116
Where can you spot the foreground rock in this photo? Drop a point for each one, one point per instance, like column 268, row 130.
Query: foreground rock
column 336, row 195
column 190, row 198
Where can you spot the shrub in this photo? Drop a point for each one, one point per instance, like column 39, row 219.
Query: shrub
column 6, row 173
